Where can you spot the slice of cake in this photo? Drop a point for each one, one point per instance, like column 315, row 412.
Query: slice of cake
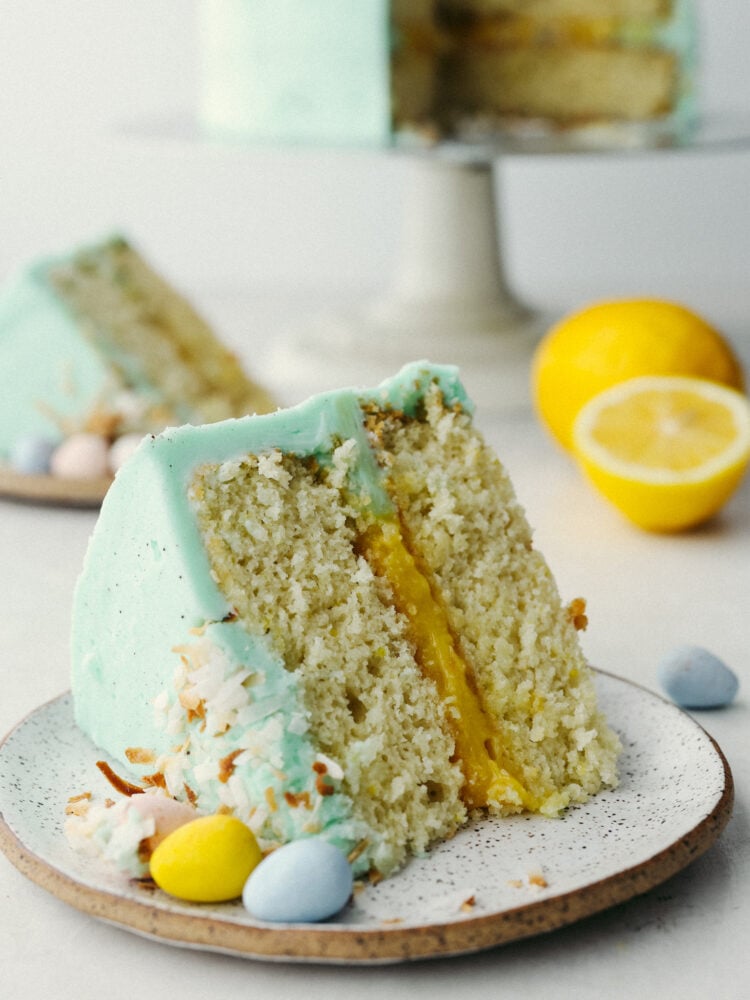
column 96, row 341
column 332, row 620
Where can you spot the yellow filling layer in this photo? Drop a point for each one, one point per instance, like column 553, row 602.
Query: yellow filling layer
column 478, row 743
column 518, row 29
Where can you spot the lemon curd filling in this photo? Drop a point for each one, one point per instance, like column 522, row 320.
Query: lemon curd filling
column 478, row 744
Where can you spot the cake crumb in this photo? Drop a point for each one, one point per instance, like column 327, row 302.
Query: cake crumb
column 537, row 879
column 577, row 614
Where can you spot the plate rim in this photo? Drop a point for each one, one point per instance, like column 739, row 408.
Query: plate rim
column 47, row 489
column 388, row 943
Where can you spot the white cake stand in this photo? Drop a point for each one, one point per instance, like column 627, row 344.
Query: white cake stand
column 448, row 299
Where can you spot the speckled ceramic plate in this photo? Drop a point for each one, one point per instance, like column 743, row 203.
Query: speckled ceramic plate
column 497, row 881
column 53, row 489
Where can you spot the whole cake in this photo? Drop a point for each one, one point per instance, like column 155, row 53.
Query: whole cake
column 331, row 71
column 96, row 342
column 332, row 620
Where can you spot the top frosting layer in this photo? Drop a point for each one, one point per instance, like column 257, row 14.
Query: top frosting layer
column 309, row 428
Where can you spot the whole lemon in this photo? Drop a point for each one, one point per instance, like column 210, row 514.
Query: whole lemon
column 608, row 342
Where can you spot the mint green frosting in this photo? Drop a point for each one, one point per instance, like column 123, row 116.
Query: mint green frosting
column 55, row 369
column 284, row 71
column 47, row 366
column 146, row 586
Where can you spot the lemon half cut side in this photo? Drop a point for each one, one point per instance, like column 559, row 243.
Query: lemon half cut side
column 667, row 451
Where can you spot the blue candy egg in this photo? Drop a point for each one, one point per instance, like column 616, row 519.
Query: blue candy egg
column 31, row 455
column 302, row 882
column 695, row 678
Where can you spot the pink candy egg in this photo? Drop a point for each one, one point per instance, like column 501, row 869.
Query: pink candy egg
column 122, row 449
column 167, row 814
column 81, row 456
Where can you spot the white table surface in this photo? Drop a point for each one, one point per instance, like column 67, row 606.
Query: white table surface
column 687, row 938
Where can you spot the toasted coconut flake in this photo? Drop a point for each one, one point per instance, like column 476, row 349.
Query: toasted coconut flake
column 295, row 799
column 271, row 799
column 77, row 807
column 156, row 780
column 322, row 787
column 357, row 850
column 226, row 765
column 118, row 783
column 77, row 798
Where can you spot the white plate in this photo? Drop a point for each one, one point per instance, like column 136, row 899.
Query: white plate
column 496, row 881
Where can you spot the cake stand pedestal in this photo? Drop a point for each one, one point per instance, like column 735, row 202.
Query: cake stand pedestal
column 448, row 300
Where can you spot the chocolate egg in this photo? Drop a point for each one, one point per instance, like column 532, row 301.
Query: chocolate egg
column 207, row 860
column 695, row 678
column 302, row 882
column 31, row 455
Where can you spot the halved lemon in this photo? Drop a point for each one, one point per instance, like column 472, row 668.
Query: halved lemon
column 667, row 451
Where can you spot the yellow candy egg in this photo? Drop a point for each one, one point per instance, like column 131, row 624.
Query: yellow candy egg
column 207, row 860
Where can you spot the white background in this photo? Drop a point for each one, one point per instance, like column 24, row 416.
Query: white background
column 235, row 225
column 74, row 72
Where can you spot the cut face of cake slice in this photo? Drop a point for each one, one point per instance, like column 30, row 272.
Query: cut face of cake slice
column 97, row 341
column 332, row 620
column 571, row 63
